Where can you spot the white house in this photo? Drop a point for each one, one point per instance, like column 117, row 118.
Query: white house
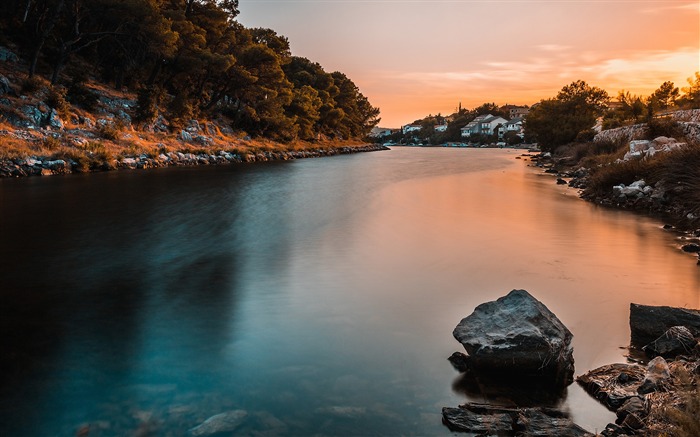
column 515, row 125
column 440, row 127
column 380, row 132
column 410, row 128
column 483, row 124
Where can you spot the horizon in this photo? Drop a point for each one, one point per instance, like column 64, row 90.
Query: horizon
column 425, row 59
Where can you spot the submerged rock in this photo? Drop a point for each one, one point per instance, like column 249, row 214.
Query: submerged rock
column 647, row 323
column 224, row 422
column 493, row 420
column 520, row 335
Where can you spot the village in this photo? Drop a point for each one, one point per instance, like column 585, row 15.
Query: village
column 487, row 125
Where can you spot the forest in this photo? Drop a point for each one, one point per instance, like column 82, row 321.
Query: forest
column 184, row 59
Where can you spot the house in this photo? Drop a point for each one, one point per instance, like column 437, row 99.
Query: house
column 515, row 125
column 485, row 124
column 410, row 128
column 518, row 111
column 440, row 127
column 381, row 132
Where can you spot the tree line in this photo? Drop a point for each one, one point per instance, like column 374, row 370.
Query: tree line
column 186, row 59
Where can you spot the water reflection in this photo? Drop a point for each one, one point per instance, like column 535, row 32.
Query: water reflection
column 317, row 295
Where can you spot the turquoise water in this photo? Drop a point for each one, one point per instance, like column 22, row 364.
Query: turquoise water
column 317, row 295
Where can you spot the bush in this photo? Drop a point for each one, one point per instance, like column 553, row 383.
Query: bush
column 51, row 143
column 32, row 85
column 109, row 131
column 56, row 99
column 663, row 127
column 81, row 95
column 604, row 178
column 148, row 100
column 681, row 170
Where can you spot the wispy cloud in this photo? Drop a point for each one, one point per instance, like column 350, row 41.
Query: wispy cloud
column 690, row 7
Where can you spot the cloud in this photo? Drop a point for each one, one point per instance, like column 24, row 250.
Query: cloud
column 691, row 7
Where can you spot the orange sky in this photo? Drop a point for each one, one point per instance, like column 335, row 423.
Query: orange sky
column 414, row 58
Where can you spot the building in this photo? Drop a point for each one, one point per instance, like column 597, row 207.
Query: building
column 515, row 125
column 410, row 128
column 485, row 124
column 440, row 127
column 518, row 111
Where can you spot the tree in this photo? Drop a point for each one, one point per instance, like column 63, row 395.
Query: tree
column 555, row 122
column 665, row 96
column 691, row 98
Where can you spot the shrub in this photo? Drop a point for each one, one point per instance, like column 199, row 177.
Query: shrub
column 51, row 143
column 109, row 131
column 148, row 100
column 604, row 178
column 32, row 85
column 663, row 127
column 81, row 95
column 56, row 99
column 681, row 170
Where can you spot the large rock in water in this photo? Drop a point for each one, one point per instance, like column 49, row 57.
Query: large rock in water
column 517, row 334
column 647, row 323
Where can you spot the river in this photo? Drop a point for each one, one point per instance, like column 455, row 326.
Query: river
column 318, row 295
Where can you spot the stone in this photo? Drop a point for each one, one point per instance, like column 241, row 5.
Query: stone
column 561, row 181
column 517, row 334
column 220, row 423
column 647, row 323
column 657, row 375
column 613, row 384
column 5, row 86
column 485, row 419
column 691, row 248
column 634, row 405
column 34, row 115
column 185, row 136
column 54, row 120
column 459, row 361
column 7, row 56
column 639, row 145
column 677, row 340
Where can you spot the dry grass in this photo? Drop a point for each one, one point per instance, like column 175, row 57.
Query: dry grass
column 676, row 413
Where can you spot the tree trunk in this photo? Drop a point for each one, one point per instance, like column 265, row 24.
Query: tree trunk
column 42, row 38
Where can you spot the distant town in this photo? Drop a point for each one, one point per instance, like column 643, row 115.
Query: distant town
column 487, row 124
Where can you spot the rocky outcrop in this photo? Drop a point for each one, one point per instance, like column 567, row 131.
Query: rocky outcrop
column 519, row 335
column 490, row 420
column 613, row 384
column 648, row 323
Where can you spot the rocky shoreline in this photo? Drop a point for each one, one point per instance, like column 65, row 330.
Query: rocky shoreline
column 45, row 166
column 516, row 341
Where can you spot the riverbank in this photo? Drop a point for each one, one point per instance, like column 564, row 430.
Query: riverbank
column 66, row 164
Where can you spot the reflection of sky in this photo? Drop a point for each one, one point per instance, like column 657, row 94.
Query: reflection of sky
column 414, row 58
column 312, row 290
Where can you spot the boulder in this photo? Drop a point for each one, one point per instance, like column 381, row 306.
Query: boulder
column 678, row 340
column 657, row 375
column 519, row 335
column 54, row 120
column 224, row 422
column 613, row 384
column 493, row 420
column 647, row 323
column 185, row 136
column 691, row 248
column 634, row 405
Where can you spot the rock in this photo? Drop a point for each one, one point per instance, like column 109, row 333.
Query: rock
column 7, row 56
column 691, row 248
column 224, row 422
column 639, row 145
column 517, row 334
column 613, row 384
column 656, row 376
column 5, row 86
column 35, row 116
column 54, row 120
column 647, row 323
column 185, row 136
column 463, row 419
column 678, row 340
column 492, row 420
column 561, row 181
column 459, row 361
column 634, row 405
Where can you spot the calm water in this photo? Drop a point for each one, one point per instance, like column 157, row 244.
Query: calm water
column 317, row 295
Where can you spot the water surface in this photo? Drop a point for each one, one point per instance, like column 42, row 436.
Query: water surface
column 318, row 295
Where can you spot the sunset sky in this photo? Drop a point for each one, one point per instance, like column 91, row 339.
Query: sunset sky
column 414, row 58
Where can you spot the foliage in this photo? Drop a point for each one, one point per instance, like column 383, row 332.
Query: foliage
column 79, row 94
column 691, row 96
column 56, row 99
column 186, row 57
column 663, row 127
column 665, row 96
column 557, row 121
